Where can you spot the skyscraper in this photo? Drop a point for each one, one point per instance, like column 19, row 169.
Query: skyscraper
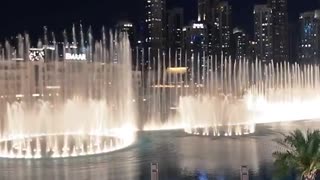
column 155, row 26
column 127, row 27
column 206, row 10
column 195, row 44
column 280, row 29
column 207, row 14
column 309, row 39
column 263, row 33
column 240, row 44
column 175, row 25
column 222, row 29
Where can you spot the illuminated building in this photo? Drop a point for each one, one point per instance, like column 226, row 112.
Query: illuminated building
column 195, row 39
column 207, row 15
column 223, row 29
column 263, row 33
column 175, row 25
column 128, row 28
column 309, row 42
column 280, row 29
column 206, row 10
column 195, row 44
column 175, row 39
column 240, row 44
column 155, row 26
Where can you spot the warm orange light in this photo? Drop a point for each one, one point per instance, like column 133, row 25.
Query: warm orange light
column 177, row 70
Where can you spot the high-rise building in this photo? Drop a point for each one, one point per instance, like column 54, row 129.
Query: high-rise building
column 155, row 26
column 206, row 10
column 280, row 29
column 222, row 29
column 175, row 26
column 263, row 33
column 251, row 51
column 293, row 42
column 195, row 44
column 127, row 27
column 239, row 44
column 195, row 38
column 309, row 41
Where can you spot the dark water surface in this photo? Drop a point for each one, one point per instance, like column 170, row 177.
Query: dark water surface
column 179, row 156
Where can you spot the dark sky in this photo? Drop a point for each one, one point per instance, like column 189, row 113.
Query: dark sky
column 31, row 15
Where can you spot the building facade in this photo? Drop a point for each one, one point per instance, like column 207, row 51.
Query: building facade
column 155, row 26
column 222, row 29
column 206, row 10
column 263, row 33
column 240, row 44
column 196, row 47
column 309, row 40
column 127, row 27
column 280, row 29
column 175, row 26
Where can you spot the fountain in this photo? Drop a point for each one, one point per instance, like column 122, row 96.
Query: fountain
column 214, row 96
column 65, row 103
column 77, row 98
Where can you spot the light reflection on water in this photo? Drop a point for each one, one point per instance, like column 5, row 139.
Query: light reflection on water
column 180, row 156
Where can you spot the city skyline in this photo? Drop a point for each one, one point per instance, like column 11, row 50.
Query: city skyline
column 31, row 16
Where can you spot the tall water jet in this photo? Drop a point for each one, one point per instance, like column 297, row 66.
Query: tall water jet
column 219, row 96
column 54, row 103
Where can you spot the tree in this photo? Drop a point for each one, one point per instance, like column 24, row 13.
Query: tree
column 301, row 153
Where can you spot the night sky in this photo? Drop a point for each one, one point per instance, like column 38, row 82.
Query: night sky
column 20, row 15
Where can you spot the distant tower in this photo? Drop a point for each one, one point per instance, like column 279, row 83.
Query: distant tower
column 175, row 25
column 207, row 14
column 309, row 41
column 155, row 25
column 175, row 38
column 195, row 39
column 263, row 33
column 240, row 44
column 206, row 10
column 223, row 29
column 127, row 27
column 195, row 44
column 280, row 29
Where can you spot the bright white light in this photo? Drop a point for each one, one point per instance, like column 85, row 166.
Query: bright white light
column 80, row 57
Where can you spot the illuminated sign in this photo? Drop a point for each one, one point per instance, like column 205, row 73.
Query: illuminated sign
column 49, row 47
column 36, row 54
column 78, row 57
column 127, row 25
column 198, row 26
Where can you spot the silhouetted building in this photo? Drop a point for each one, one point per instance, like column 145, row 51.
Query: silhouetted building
column 206, row 10
column 127, row 27
column 175, row 26
column 280, row 29
column 155, row 26
column 293, row 42
column 309, row 43
column 222, row 29
column 251, row 51
column 263, row 33
column 195, row 44
column 240, row 44
column 195, row 39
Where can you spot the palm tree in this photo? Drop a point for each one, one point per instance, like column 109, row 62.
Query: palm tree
column 301, row 153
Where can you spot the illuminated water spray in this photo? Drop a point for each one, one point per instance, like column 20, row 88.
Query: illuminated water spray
column 66, row 99
column 211, row 96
